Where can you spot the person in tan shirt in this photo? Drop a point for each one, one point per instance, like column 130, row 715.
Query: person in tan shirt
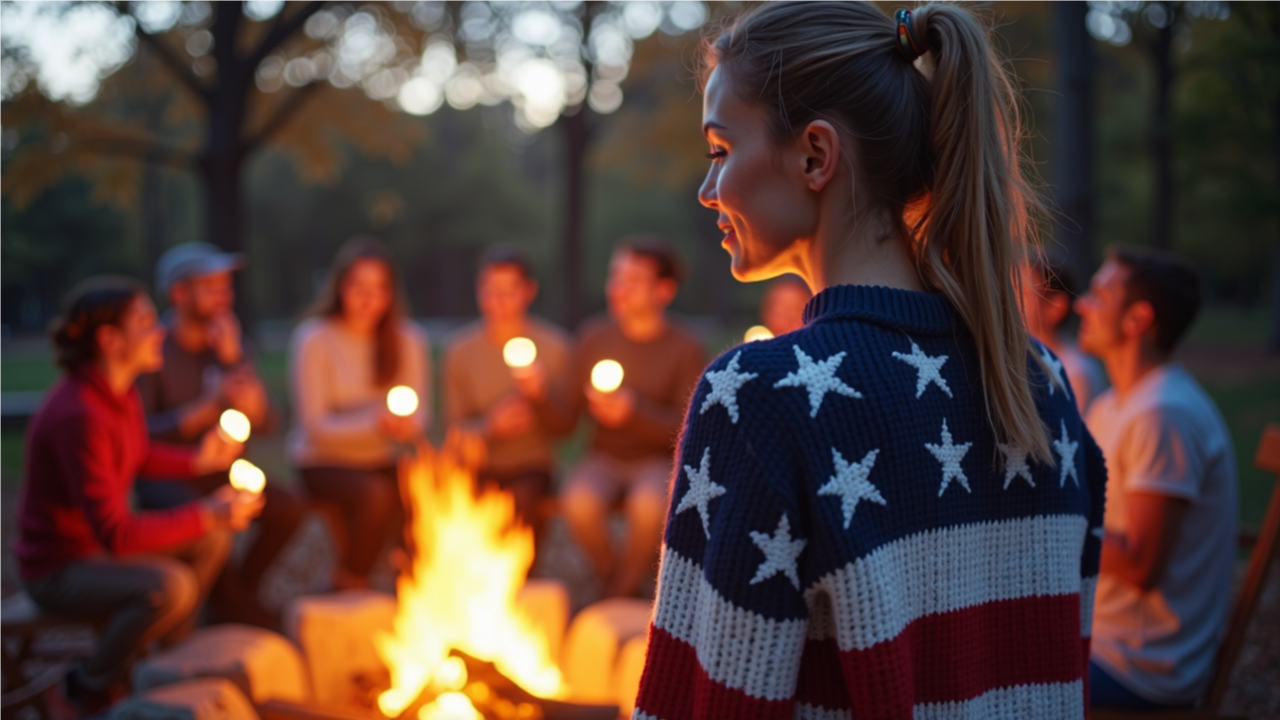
column 517, row 414
column 631, row 448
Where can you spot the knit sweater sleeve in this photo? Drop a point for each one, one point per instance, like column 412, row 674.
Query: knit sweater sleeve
column 730, row 621
column 84, row 464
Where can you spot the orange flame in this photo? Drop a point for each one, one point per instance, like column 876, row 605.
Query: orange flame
column 470, row 560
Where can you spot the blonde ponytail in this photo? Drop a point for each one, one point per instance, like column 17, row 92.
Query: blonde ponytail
column 980, row 219
column 942, row 152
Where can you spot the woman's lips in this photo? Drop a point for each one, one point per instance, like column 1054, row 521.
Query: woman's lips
column 730, row 238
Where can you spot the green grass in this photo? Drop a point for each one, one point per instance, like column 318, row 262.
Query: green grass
column 1247, row 408
column 26, row 372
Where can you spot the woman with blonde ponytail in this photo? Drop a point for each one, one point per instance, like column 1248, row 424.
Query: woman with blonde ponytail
column 895, row 511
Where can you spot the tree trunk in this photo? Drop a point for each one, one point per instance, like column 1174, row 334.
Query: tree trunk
column 154, row 215
column 1273, row 342
column 1161, row 134
column 1073, row 137
column 576, row 133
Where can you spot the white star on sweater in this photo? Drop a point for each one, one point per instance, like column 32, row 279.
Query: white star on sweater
column 1055, row 367
column 701, row 491
column 1015, row 464
column 850, row 483
column 928, row 369
column 818, row 378
column 1067, row 450
column 950, row 456
column 724, row 387
column 780, row 553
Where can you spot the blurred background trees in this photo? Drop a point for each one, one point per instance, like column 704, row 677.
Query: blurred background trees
column 558, row 127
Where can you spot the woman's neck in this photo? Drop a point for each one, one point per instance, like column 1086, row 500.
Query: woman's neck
column 867, row 255
column 359, row 329
column 118, row 376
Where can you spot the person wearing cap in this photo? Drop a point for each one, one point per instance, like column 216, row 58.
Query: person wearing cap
column 208, row 368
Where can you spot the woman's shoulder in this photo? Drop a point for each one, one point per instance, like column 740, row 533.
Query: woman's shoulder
column 311, row 328
column 413, row 332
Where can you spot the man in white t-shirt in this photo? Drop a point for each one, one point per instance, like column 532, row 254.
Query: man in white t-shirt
column 1170, row 525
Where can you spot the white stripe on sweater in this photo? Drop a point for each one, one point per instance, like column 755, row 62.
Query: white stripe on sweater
column 736, row 647
column 875, row 597
column 1051, row 700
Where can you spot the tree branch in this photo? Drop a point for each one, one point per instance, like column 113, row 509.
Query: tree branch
column 147, row 151
column 282, row 28
column 283, row 114
column 175, row 63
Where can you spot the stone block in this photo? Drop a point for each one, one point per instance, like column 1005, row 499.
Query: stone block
column 627, row 672
column 546, row 602
column 335, row 633
column 595, row 642
column 203, row 699
column 263, row 664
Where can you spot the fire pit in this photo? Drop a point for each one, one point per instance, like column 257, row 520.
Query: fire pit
column 461, row 648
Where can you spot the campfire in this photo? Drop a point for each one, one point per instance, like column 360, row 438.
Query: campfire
column 461, row 649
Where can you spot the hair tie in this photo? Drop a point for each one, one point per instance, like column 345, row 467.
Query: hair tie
column 908, row 45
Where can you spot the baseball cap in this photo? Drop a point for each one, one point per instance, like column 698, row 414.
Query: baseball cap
column 191, row 260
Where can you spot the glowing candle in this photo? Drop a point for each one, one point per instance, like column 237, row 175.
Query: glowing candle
column 402, row 401
column 234, row 425
column 519, row 352
column 606, row 376
column 247, row 477
column 757, row 332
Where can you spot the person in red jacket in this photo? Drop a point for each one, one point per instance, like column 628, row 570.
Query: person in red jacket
column 81, row 550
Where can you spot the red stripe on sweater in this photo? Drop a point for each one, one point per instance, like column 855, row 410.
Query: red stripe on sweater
column 821, row 681
column 959, row 655
column 675, row 687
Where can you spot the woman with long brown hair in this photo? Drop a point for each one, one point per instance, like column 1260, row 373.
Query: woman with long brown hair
column 356, row 346
column 894, row 511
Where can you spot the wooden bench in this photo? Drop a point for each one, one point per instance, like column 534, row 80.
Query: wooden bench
column 21, row 624
column 1266, row 543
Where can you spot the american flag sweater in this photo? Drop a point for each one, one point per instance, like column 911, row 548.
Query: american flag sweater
column 847, row 537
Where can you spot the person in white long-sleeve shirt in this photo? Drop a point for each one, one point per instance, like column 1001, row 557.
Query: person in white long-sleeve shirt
column 342, row 361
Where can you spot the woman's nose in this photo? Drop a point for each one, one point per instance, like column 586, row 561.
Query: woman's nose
column 707, row 193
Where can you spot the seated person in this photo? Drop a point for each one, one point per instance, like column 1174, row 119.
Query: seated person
column 1048, row 289
column 81, row 551
column 1170, row 524
column 208, row 368
column 782, row 308
column 629, row 456
column 512, row 411
column 356, row 346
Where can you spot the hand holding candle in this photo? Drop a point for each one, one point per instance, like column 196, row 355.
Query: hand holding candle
column 246, row 477
column 610, row 404
column 234, row 425
column 519, row 353
column 606, row 376
column 402, row 401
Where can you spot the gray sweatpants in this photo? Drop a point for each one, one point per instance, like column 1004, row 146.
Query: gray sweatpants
column 145, row 597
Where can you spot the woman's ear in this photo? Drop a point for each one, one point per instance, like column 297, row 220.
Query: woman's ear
column 820, row 148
